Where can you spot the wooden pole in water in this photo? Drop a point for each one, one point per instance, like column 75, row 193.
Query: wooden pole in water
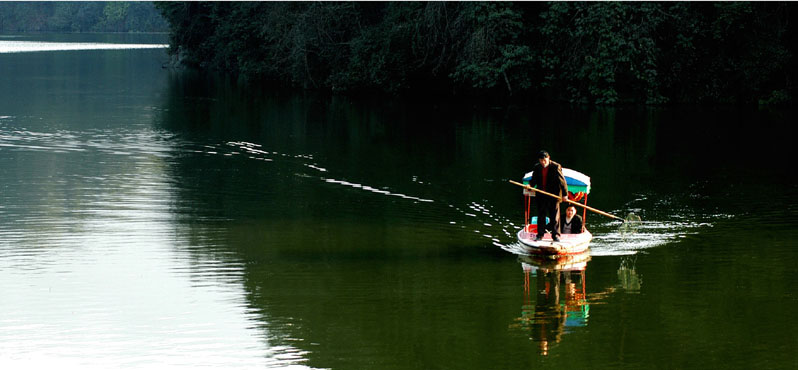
column 567, row 200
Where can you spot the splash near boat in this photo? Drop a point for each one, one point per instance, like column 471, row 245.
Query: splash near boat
column 568, row 244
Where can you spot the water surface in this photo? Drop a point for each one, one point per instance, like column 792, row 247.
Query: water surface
column 155, row 217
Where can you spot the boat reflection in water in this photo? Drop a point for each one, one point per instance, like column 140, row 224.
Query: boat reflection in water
column 561, row 302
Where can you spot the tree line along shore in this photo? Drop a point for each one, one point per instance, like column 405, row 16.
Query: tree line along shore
column 81, row 16
column 591, row 52
column 577, row 52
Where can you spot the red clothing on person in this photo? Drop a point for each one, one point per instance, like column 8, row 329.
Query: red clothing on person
column 543, row 173
column 549, row 207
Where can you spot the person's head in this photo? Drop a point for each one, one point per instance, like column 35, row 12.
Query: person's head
column 570, row 211
column 543, row 158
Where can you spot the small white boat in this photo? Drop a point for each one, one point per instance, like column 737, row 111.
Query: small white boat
column 569, row 244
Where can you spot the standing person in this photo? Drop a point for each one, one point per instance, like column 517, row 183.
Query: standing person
column 547, row 176
column 572, row 223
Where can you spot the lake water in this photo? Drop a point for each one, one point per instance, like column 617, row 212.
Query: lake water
column 159, row 218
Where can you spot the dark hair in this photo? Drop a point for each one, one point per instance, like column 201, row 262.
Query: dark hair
column 543, row 154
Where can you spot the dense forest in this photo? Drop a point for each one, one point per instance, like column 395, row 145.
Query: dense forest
column 94, row 16
column 591, row 52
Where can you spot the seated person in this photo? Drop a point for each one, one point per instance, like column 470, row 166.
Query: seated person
column 572, row 224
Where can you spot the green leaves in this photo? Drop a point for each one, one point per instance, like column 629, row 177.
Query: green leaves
column 581, row 52
column 89, row 16
column 494, row 53
column 608, row 51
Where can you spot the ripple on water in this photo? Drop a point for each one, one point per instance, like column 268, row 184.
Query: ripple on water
column 94, row 273
column 306, row 160
column 677, row 220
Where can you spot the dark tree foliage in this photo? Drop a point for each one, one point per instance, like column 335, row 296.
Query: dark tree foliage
column 596, row 52
column 89, row 16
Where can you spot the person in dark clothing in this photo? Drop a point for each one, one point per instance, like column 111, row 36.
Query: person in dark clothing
column 572, row 224
column 547, row 176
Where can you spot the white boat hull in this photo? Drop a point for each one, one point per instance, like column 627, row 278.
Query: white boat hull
column 569, row 244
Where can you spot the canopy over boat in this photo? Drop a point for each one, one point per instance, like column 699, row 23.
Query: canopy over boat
column 577, row 181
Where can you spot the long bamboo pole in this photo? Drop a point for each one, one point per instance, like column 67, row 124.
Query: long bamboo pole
column 567, row 200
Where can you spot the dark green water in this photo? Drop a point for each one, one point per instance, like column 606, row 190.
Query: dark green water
column 151, row 217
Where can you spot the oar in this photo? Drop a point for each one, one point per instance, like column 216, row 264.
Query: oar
column 567, row 200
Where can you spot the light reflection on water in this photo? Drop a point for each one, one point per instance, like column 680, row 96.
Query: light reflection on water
column 95, row 272
column 149, row 291
column 39, row 46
